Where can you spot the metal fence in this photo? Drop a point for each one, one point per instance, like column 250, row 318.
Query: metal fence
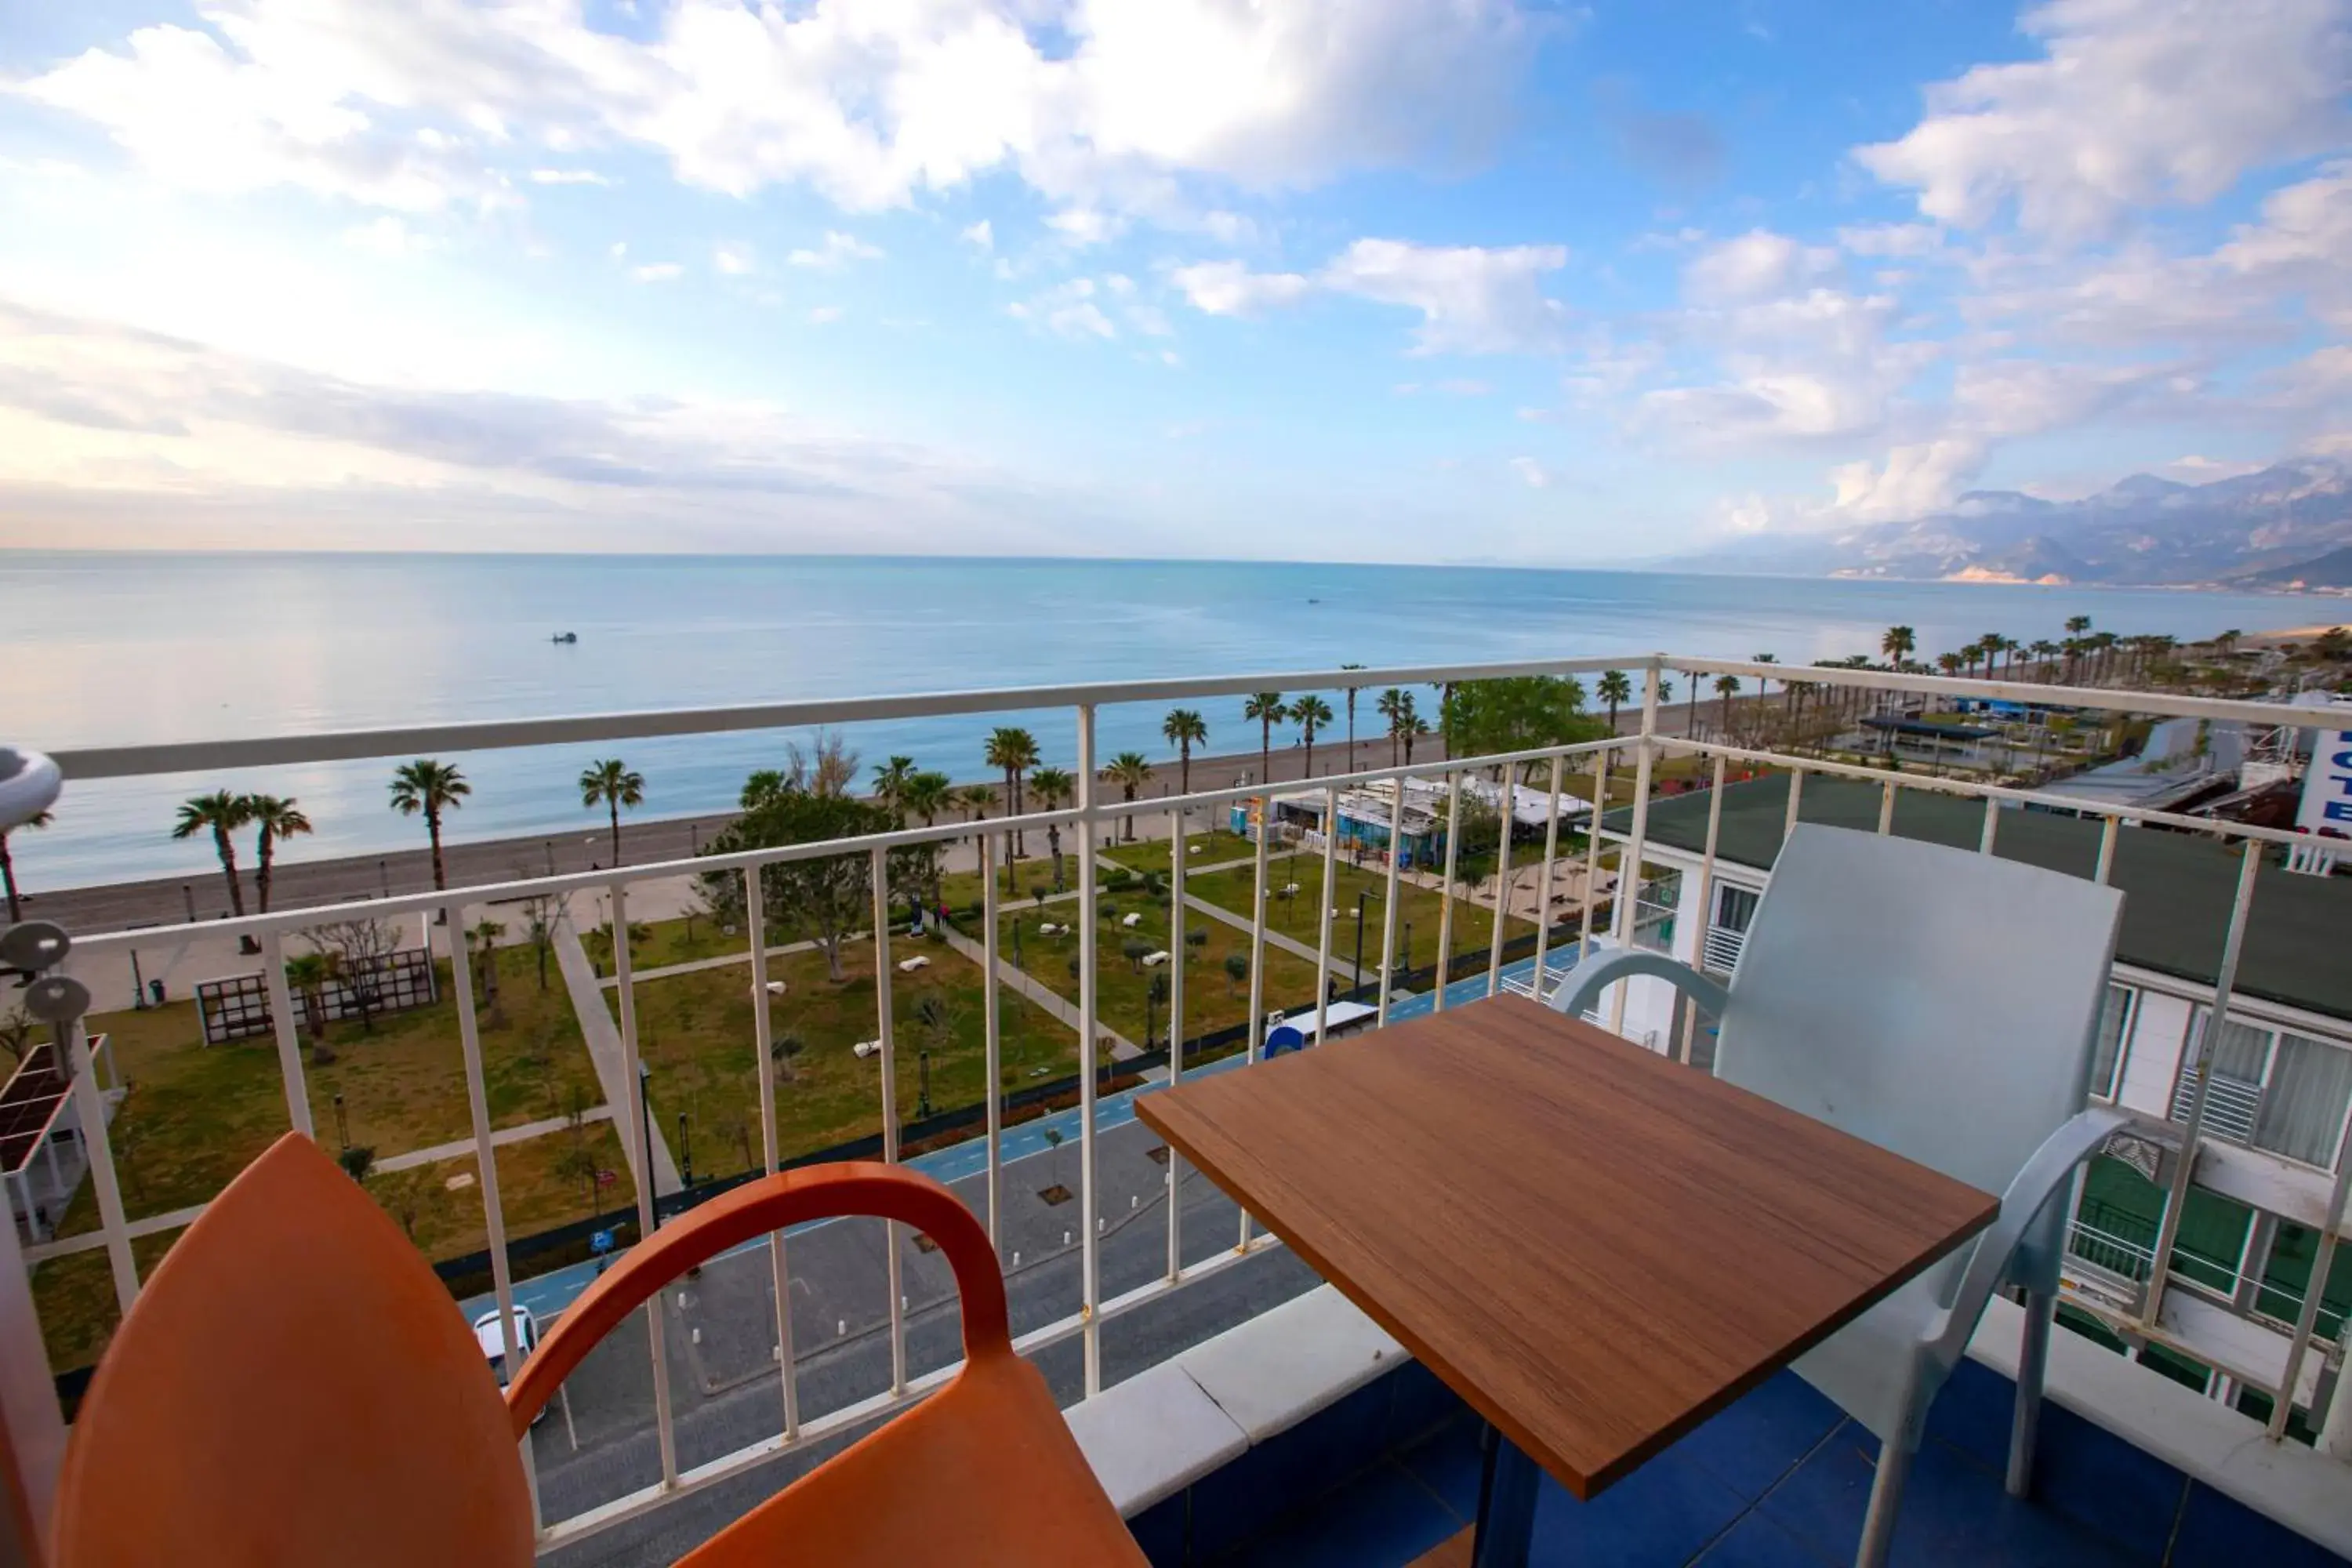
column 1558, row 769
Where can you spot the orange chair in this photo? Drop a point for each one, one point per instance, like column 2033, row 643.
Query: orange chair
column 294, row 1386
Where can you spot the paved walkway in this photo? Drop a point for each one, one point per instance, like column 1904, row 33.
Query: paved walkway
column 604, row 1039
column 1121, row 1047
column 612, row 982
column 498, row 1139
column 1339, row 966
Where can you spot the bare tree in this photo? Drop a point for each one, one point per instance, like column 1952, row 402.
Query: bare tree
column 827, row 769
column 363, row 951
column 540, row 914
column 15, row 1033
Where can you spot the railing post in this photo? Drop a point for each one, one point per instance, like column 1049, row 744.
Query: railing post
column 1329, row 911
column 1706, row 921
column 1445, row 891
column 1543, row 877
column 764, row 1039
column 1630, row 867
column 289, row 1045
column 2306, row 1317
column 1090, row 1226
column 884, row 1015
column 1178, row 948
column 991, row 1003
column 1510, row 803
column 640, row 1153
column 1256, row 1037
column 2224, row 982
column 1389, row 902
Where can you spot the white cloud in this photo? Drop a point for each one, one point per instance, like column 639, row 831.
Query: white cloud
column 1231, row 288
column 1891, row 239
column 1912, row 481
column 1470, row 300
column 388, row 235
column 734, row 260
column 2134, row 103
column 1534, row 474
column 837, row 251
column 979, row 235
column 569, row 177
column 1067, row 310
column 1759, row 265
column 657, row 272
column 1098, row 105
column 824, row 315
column 1083, row 227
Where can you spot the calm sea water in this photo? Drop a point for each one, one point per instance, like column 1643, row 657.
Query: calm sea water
column 117, row 648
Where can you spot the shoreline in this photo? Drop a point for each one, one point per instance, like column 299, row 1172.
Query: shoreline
column 300, row 884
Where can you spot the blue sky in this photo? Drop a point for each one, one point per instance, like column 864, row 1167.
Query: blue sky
column 1384, row 280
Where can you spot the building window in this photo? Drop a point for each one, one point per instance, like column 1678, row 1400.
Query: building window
column 2114, row 1028
column 2274, row 1091
column 1655, row 907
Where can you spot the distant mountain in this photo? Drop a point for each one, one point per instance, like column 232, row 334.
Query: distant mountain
column 2291, row 522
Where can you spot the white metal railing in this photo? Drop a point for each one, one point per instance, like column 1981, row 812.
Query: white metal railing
column 1089, row 816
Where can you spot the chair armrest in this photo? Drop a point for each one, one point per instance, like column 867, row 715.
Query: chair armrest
column 1588, row 979
column 754, row 1209
column 2038, row 1182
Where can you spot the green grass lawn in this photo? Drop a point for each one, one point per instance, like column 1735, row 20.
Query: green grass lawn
column 1212, row 999
column 1294, row 915
column 196, row 1115
column 696, row 1034
column 1207, row 848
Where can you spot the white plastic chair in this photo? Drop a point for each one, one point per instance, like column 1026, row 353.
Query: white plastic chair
column 1945, row 1006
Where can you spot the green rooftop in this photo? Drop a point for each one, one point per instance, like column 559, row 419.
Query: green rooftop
column 2178, row 888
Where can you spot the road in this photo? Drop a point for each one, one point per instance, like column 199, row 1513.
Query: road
column 727, row 1394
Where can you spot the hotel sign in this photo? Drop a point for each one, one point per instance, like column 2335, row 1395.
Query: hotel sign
column 2327, row 783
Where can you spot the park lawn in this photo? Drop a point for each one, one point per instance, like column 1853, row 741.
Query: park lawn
column 196, row 1115
column 1213, row 1000
column 962, row 890
column 1418, row 907
column 696, row 1034
column 1211, row 847
column 75, row 1294
column 662, row 942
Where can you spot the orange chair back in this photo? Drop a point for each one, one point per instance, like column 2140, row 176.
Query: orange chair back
column 293, row 1387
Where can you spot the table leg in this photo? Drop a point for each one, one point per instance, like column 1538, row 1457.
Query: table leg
column 1507, row 1504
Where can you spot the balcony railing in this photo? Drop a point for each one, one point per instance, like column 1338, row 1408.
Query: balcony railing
column 2206, row 1107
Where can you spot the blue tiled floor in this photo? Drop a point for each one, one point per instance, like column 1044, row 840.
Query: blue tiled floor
column 1780, row 1480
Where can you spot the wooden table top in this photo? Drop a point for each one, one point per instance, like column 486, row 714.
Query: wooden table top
column 1595, row 1246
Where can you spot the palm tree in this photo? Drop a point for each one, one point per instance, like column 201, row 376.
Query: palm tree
column 1312, row 713
column 8, row 866
column 1614, row 689
column 1392, row 705
column 2077, row 628
column 2044, row 651
column 219, row 813
column 611, row 785
column 1130, row 771
column 1690, row 712
column 1762, row 684
column 431, row 788
column 1014, row 751
column 1351, row 721
column 890, row 782
column 1725, row 686
column 926, row 795
column 1184, row 727
column 1898, row 644
column 1054, row 787
column 1413, row 724
column 976, row 799
column 307, row 974
column 277, row 819
column 1949, row 663
column 1266, row 707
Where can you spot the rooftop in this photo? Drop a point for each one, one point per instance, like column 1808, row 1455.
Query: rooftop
column 2178, row 888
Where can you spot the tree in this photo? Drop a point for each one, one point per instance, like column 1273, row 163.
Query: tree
column 1185, row 728
column 1134, row 949
column 16, row 1029
column 1236, row 971
column 1725, row 686
column 1898, row 644
column 276, row 820
column 307, row 974
column 1014, row 750
column 975, row 800
column 1614, row 689
column 1415, row 724
column 359, row 950
column 782, row 1046
column 431, row 788
column 1054, row 788
column 1312, row 713
column 1390, row 705
column 1351, row 721
column 926, row 795
column 890, row 782
column 357, row 1161
column 1266, row 707
column 611, row 785
column 1130, row 771
column 486, row 932
column 1519, row 713
column 1155, row 995
column 8, row 866
column 2078, row 628
column 219, row 813
column 540, row 914
column 577, row 1164
column 825, row 898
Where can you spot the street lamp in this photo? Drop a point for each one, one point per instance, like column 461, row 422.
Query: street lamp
column 686, row 1150
column 923, row 1085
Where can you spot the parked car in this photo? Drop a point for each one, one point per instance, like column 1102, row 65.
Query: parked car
column 493, row 1341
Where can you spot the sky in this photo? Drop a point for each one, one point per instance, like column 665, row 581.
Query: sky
column 1434, row 280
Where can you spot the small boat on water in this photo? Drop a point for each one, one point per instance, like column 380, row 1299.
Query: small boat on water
column 565, row 638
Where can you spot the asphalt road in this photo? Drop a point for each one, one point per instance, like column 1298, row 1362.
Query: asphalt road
column 725, row 1393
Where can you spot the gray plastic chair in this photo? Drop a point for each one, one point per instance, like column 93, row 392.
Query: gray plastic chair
column 1945, row 1006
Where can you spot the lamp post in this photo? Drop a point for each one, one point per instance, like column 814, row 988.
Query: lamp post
column 923, row 1085
column 343, row 1127
column 686, row 1150
column 1361, row 895
column 551, row 857
column 646, row 1117
column 1404, row 964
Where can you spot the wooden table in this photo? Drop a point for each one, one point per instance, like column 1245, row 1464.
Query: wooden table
column 1596, row 1247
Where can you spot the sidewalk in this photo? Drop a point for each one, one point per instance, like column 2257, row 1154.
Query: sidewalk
column 1292, row 945
column 463, row 1147
column 596, row 1027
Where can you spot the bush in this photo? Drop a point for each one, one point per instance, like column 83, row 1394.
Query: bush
column 1152, row 886
column 1120, row 880
column 1196, row 936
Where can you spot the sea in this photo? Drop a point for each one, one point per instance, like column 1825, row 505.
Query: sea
column 121, row 649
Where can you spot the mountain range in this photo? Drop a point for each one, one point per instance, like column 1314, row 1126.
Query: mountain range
column 2289, row 525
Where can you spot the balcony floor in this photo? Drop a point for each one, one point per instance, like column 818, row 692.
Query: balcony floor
column 1779, row 1480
